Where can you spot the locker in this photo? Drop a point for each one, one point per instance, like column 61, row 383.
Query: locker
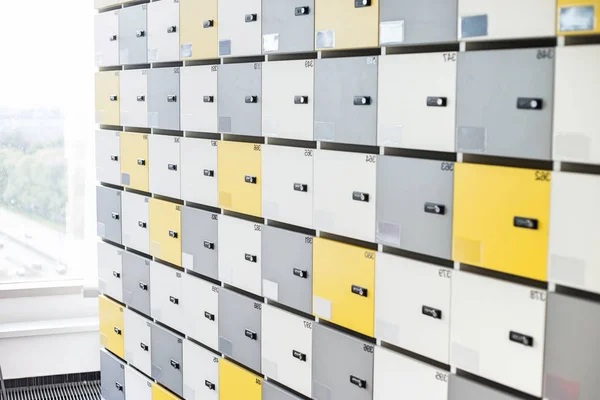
column 163, row 31
column 414, row 205
column 108, row 213
column 288, row 104
column 110, row 270
column 107, row 97
column 344, row 285
column 272, row 392
column 112, row 377
column 288, row 185
column 345, row 194
column 287, row 351
column 342, row 24
column 134, row 161
column 165, row 169
column 163, row 97
column 138, row 386
column 134, row 98
column 199, row 97
column 166, row 298
column 199, row 29
column 106, row 38
column 346, row 100
column 287, row 268
column 167, row 359
column 417, row 113
column 238, row 383
column 137, row 341
column 201, row 373
column 497, row 330
column 412, row 305
column 460, row 388
column 578, row 17
column 240, row 180
column 239, row 98
column 133, row 28
column 504, row 102
column 240, row 337
column 501, row 218
column 135, row 222
column 200, row 243
column 136, row 282
column 160, row 393
column 165, row 231
column 288, row 26
column 104, row 3
column 112, row 329
column 108, row 166
column 240, row 31
column 342, row 366
column 201, row 310
column 199, row 171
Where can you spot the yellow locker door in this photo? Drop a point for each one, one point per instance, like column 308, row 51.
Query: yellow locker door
column 346, row 24
column 165, row 231
column 112, row 332
column 240, row 182
column 578, row 17
column 501, row 219
column 236, row 383
column 160, row 393
column 198, row 29
column 134, row 161
column 108, row 97
column 344, row 285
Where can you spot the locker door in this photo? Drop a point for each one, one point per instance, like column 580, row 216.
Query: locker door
column 342, row 24
column 112, row 329
column 163, row 31
column 160, row 393
column 108, row 167
column 237, row 383
column 112, row 377
column 346, row 100
column 201, row 310
column 345, row 194
column 240, row 180
column 133, row 29
column 240, row 98
column 272, row 392
column 287, row 268
column 163, row 98
column 240, row 337
column 107, row 98
column 110, row 270
column 342, row 366
column 240, row 255
column 460, row 388
column 135, row 222
column 165, row 231
column 106, row 38
column 497, row 330
column 287, row 352
column 108, row 214
column 200, row 243
column 199, row 171
column 201, row 373
column 134, row 98
column 504, row 103
column 417, row 113
column 165, row 170
column 501, row 218
column 198, row 36
column 137, row 341
column 199, row 97
column 288, row 185
column 138, row 386
column 167, row 360
column 239, row 27
column 166, row 298
column 578, row 17
column 136, row 282
column 134, row 161
column 288, row 26
column 414, row 205
column 344, row 285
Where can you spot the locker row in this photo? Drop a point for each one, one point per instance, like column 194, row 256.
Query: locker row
column 539, row 103
column 173, row 30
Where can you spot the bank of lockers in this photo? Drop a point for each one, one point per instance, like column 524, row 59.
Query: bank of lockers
column 345, row 194
column 501, row 218
column 200, row 241
column 163, row 31
column 163, row 97
column 199, row 97
column 107, row 98
column 135, row 221
column 134, row 160
column 166, row 298
column 417, row 99
column 108, row 213
column 288, row 26
column 344, row 285
column 112, row 329
column 167, row 359
column 341, row 24
column 138, row 386
column 165, row 169
column 106, row 38
column 201, row 373
column 237, row 383
column 136, row 282
column 239, row 98
column 133, row 31
column 112, row 377
column 504, row 102
column 165, row 231
column 137, row 341
column 240, row 31
column 240, row 337
column 461, row 388
column 272, row 392
column 160, row 393
column 578, row 17
column 134, row 98
column 201, row 310
column 108, row 166
column 498, row 330
column 287, row 349
column 110, row 270
column 199, row 172
column 198, row 35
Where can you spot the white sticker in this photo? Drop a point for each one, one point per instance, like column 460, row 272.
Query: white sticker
column 391, row 32
column 325, row 39
column 187, row 261
column 124, row 56
column 152, row 55
column 186, row 50
column 153, row 119
column 270, row 290
column 271, row 42
column 101, row 229
column 321, row 307
column 99, row 59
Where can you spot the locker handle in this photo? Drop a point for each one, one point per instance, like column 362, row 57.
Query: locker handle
column 209, row 245
column 112, row 38
column 142, row 224
column 209, row 99
column 113, row 98
column 174, row 364
column 359, row 196
column 433, row 208
column 250, row 258
column 300, row 99
column 300, row 273
column 141, row 98
column 172, row 29
column 361, row 383
column 140, row 34
column 298, row 355
column 209, row 316
column 433, row 101
column 116, row 274
column 250, row 334
column 143, row 286
column 172, row 167
column 529, row 103
column 171, row 99
column 300, row 187
column 362, row 100
column 250, row 179
column 520, row 338
column 114, row 158
column 209, row 172
column 173, row 234
column 431, row 312
column 251, row 99
column 174, row 300
column 209, row 385
column 209, row 23
column 115, row 215
column 118, row 386
column 117, row 330
column 141, row 161
column 144, row 346
column 361, row 291
column 527, row 223
column 251, row 17
column 304, row 10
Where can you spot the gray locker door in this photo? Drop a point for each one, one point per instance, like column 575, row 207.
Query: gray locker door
column 112, row 377
column 199, row 243
column 460, row 388
column 133, row 44
column 504, row 103
column 287, row 268
column 136, row 282
column 346, row 100
column 163, row 98
column 414, row 205
column 341, row 365
column 108, row 213
column 272, row 392
column 240, row 99
column 167, row 359
column 288, row 26
column 239, row 337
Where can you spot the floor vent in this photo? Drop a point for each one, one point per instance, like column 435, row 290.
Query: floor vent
column 85, row 390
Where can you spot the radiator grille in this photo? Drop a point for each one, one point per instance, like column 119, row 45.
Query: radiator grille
column 89, row 390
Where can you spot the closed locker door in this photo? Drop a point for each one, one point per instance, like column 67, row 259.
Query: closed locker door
column 136, row 282
column 165, row 231
column 133, row 28
column 288, row 26
column 344, row 285
column 417, row 113
column 289, row 99
column 200, row 242
column 134, row 161
column 287, row 268
column 163, row 31
column 578, row 17
column 137, row 341
column 110, row 270
column 166, row 298
column 240, row 337
column 112, row 329
column 288, row 185
column 342, row 24
column 240, row 31
column 163, row 98
column 160, row 393
column 134, row 98
column 107, row 98
column 199, row 97
column 273, row 392
column 199, row 171
column 106, row 38
column 504, row 103
column 240, row 99
column 345, row 194
column 108, row 214
column 138, row 386
column 346, row 100
column 287, row 351
column 165, row 169
column 240, row 180
column 497, row 331
column 112, row 377
column 167, row 359
column 501, row 219
column 199, row 31
column 237, row 383
column 414, row 205
column 460, row 388
column 201, row 309
column 201, row 373
column 108, row 166
column 135, row 222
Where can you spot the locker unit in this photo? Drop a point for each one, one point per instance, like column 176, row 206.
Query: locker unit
column 240, row 180
column 198, row 35
column 136, row 282
column 163, row 97
column 199, row 173
column 137, row 341
column 345, row 194
column 133, row 28
column 201, row 373
column 342, row 366
column 165, row 169
column 417, row 100
column 341, row 24
column 273, row 392
column 112, row 329
column 107, row 98
column 134, row 161
column 163, row 31
column 412, row 305
column 287, row 350
column 138, row 386
column 108, row 214
column 134, row 98
column 504, row 102
column 344, row 285
column 166, row 298
column 160, row 393
column 199, row 97
column 497, row 330
column 110, row 270
column 165, row 231
column 460, row 388
column 346, row 99
column 135, row 222
column 108, row 166
column 167, row 360
column 112, row 377
column 288, row 26
column 288, row 104
column 501, row 218
column 200, row 242
column 578, row 17
column 240, row 337
column 240, row 30
column 237, row 383
column 414, row 205
column 106, row 38
column 201, row 310
column 287, row 189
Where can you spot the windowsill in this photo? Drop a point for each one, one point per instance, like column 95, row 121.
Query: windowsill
column 37, row 289
column 44, row 328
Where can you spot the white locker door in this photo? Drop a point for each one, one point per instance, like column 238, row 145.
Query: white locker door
column 166, row 302
column 108, row 163
column 201, row 309
column 106, row 38
column 240, row 27
column 137, row 385
column 163, row 31
column 199, row 98
column 137, row 341
column 199, row 171
column 165, row 165
column 134, row 98
column 201, row 373
column 136, row 225
column 110, row 270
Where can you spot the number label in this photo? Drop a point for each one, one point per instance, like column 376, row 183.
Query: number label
column 214, row 217
column 258, row 306
column 257, row 227
column 117, row 73
column 214, row 68
column 213, row 143
column 176, row 70
column 145, row 137
column 145, row 72
column 440, row 376
column 258, row 382
column 309, row 64
column 308, row 324
column 447, row 166
column 369, row 255
column 257, row 65
column 308, row 239
column 176, row 140
column 308, row 153
column 257, row 147
column 368, row 348
column 177, row 208
column 371, row 60
column 216, row 289
column 450, row 57
column 370, row 158
column 545, row 54
column 444, row 273
column 178, row 274
column 215, row 359
column 537, row 295
column 542, row 176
